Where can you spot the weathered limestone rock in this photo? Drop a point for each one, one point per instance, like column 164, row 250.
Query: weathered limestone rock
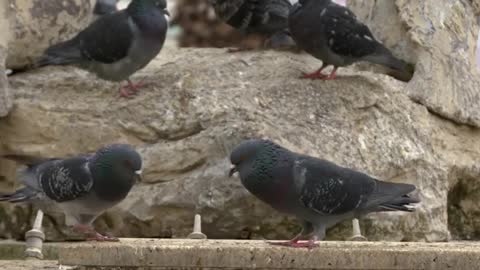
column 6, row 101
column 201, row 103
column 37, row 24
column 441, row 38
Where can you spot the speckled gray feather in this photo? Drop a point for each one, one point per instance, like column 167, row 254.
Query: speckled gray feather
column 333, row 34
column 82, row 187
column 265, row 17
column 316, row 191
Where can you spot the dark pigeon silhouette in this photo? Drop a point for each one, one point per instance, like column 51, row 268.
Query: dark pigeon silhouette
column 83, row 187
column 316, row 191
column 116, row 45
column 268, row 18
column 332, row 33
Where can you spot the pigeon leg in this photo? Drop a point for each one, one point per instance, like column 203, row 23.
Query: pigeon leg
column 308, row 231
column 316, row 75
column 131, row 88
column 92, row 234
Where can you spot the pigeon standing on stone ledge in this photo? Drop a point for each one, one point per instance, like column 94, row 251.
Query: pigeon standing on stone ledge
column 82, row 187
column 333, row 34
column 268, row 18
column 116, row 45
column 316, row 191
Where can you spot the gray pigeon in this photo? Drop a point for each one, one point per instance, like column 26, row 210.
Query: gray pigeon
column 316, row 191
column 103, row 7
column 268, row 18
column 116, row 45
column 83, row 187
column 333, row 34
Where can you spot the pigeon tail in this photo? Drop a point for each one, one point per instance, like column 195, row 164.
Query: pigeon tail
column 384, row 57
column 65, row 53
column 281, row 40
column 21, row 195
column 392, row 197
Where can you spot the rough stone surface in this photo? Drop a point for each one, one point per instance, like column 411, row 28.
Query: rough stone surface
column 6, row 101
column 37, row 24
column 441, row 38
column 228, row 254
column 31, row 265
column 200, row 103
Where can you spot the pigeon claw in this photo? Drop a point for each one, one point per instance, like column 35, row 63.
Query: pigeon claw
column 127, row 91
column 103, row 238
column 296, row 244
column 313, row 76
column 237, row 50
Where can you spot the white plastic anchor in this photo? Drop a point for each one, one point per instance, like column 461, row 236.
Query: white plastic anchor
column 197, row 229
column 357, row 234
column 34, row 238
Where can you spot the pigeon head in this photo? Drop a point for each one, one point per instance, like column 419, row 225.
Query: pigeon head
column 247, row 152
column 139, row 6
column 115, row 168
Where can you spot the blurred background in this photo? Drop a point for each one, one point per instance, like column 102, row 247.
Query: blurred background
column 194, row 25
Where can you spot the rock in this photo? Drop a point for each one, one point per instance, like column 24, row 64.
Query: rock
column 201, row 102
column 6, row 101
column 441, row 38
column 37, row 24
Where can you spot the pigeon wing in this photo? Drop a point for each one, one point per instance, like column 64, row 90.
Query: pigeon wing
column 330, row 189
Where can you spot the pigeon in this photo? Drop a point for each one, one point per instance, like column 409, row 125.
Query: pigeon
column 268, row 18
column 318, row 192
column 82, row 187
column 115, row 45
column 103, row 7
column 332, row 33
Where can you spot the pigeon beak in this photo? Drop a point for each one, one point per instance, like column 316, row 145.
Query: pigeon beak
column 233, row 170
column 166, row 12
column 138, row 175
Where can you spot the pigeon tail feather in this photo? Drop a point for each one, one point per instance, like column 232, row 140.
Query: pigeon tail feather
column 21, row 195
column 392, row 197
column 281, row 39
column 384, row 57
column 65, row 53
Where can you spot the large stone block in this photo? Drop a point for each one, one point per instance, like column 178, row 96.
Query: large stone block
column 37, row 24
column 5, row 98
column 201, row 103
column 441, row 38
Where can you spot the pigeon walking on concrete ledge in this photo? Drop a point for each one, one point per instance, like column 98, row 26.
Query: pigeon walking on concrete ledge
column 316, row 191
column 116, row 45
column 268, row 18
column 83, row 187
column 332, row 33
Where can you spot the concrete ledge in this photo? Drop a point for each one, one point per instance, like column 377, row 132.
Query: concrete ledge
column 31, row 265
column 14, row 250
column 188, row 254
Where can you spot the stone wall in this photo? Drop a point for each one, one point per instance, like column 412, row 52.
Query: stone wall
column 5, row 98
column 441, row 38
column 37, row 24
column 202, row 102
